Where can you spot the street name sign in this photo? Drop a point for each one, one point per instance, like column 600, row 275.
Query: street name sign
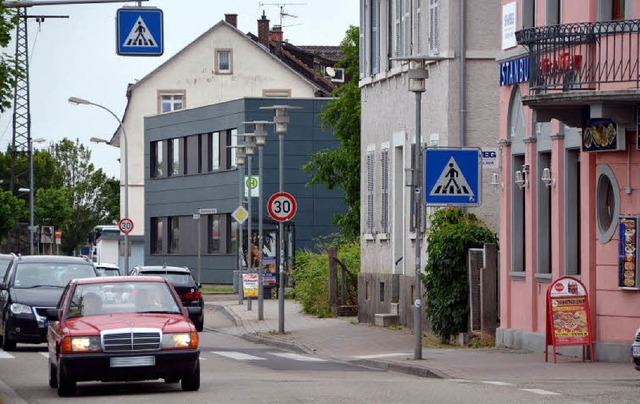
column 207, row 211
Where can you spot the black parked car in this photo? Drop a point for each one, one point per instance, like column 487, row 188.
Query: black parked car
column 183, row 282
column 32, row 285
column 5, row 260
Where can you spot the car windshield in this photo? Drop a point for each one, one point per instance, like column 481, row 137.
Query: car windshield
column 175, row 278
column 109, row 271
column 118, row 297
column 36, row 274
column 4, row 265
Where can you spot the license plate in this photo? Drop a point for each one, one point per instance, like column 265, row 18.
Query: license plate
column 132, row 361
column 635, row 350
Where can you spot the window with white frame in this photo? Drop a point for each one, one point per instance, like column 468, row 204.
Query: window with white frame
column 171, row 102
column 371, row 165
column 434, row 27
column 224, row 61
column 384, row 211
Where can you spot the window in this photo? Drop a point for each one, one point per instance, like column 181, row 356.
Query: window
column 553, row 12
column 171, row 102
column 518, row 230
column 384, row 219
column 185, row 156
column 156, row 235
column 232, row 140
column 572, row 211
column 617, row 10
column 271, row 92
column 200, row 152
column 607, row 203
column 213, row 234
column 174, row 234
column 156, row 160
column 223, row 61
column 370, row 189
column 434, row 40
column 174, row 157
column 214, row 151
column 545, row 250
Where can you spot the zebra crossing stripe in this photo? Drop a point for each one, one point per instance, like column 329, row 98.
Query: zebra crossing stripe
column 45, row 354
column 6, row 355
column 542, row 392
column 297, row 357
column 238, row 356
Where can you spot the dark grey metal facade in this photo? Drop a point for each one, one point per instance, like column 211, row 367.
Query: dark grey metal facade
column 181, row 195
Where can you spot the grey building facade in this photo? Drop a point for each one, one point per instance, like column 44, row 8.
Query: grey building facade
column 189, row 165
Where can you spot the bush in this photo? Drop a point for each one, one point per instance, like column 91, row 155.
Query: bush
column 311, row 276
column 446, row 283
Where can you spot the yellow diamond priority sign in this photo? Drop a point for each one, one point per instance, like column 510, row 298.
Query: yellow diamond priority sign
column 240, row 214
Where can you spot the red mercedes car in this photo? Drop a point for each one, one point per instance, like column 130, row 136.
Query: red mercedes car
column 121, row 329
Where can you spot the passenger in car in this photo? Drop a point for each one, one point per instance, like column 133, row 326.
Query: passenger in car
column 91, row 304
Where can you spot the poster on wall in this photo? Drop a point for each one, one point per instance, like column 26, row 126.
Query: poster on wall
column 628, row 252
column 269, row 249
column 250, row 285
column 603, row 134
column 568, row 317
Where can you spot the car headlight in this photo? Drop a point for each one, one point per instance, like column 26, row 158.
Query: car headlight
column 17, row 308
column 180, row 340
column 80, row 344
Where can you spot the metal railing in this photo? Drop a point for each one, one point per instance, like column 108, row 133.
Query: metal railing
column 583, row 56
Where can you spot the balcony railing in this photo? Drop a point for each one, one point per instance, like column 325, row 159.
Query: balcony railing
column 583, row 56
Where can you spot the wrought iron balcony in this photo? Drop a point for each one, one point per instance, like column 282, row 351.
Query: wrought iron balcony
column 583, row 56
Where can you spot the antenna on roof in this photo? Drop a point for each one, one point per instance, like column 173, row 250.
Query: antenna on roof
column 283, row 13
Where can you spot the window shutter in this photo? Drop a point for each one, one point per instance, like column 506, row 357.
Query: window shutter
column 398, row 24
column 406, row 27
column 418, row 28
column 370, row 195
column 384, row 220
column 362, row 39
column 375, row 36
column 434, row 41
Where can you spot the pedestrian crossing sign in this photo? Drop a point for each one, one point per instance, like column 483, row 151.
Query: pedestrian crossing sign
column 453, row 176
column 139, row 31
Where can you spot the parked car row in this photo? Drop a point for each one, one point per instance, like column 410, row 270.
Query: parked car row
column 99, row 325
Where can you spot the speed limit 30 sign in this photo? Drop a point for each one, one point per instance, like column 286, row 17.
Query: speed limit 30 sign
column 126, row 225
column 282, row 206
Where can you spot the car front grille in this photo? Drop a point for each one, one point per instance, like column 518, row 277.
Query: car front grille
column 131, row 340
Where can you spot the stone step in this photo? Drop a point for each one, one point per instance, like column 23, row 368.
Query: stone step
column 385, row 320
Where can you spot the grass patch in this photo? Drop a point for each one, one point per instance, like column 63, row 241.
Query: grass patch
column 216, row 289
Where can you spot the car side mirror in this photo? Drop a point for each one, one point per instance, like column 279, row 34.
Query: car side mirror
column 199, row 285
column 53, row 315
column 194, row 310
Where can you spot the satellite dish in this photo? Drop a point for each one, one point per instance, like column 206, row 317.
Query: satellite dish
column 330, row 71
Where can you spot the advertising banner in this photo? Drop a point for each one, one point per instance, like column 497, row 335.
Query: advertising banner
column 628, row 252
column 250, row 285
column 568, row 317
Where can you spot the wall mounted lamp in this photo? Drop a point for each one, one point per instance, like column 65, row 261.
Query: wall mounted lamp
column 520, row 179
column 547, row 179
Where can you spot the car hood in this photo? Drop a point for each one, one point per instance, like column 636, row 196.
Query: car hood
column 95, row 324
column 37, row 297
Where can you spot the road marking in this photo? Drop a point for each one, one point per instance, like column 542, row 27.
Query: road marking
column 542, row 392
column 498, row 383
column 387, row 355
column 45, row 354
column 297, row 357
column 6, row 355
column 238, row 356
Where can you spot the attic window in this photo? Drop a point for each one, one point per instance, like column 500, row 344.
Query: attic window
column 335, row 74
column 223, row 61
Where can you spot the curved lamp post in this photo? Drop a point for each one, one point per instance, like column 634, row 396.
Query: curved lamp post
column 80, row 101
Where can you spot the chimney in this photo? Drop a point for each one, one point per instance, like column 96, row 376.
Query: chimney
column 231, row 19
column 276, row 33
column 263, row 30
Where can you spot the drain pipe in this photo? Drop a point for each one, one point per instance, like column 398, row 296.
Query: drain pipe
column 462, row 93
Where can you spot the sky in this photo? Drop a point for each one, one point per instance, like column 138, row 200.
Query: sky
column 76, row 56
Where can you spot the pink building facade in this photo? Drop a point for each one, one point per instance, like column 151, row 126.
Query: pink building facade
column 569, row 176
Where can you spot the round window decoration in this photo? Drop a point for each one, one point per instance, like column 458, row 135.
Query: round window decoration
column 607, row 203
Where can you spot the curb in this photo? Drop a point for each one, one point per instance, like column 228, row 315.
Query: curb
column 401, row 368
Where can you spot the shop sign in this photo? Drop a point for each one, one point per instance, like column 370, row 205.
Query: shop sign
column 602, row 134
column 514, row 72
column 568, row 317
column 628, row 252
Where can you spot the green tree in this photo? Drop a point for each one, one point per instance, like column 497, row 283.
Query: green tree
column 451, row 235
column 8, row 71
column 51, row 207
column 11, row 209
column 340, row 168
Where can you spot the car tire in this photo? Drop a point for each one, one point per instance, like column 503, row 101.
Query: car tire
column 7, row 343
column 53, row 376
column 199, row 325
column 191, row 381
column 66, row 387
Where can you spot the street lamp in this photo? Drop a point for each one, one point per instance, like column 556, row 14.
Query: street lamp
column 281, row 121
column 80, row 101
column 31, row 191
column 249, row 151
column 260, row 133
column 240, row 164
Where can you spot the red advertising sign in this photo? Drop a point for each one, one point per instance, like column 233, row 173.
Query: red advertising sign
column 568, row 317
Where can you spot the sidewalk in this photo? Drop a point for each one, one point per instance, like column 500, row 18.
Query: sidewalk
column 344, row 339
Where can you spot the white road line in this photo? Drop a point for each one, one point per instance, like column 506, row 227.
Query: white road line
column 542, row 392
column 498, row 383
column 387, row 355
column 45, row 354
column 238, row 356
column 297, row 357
column 6, row 355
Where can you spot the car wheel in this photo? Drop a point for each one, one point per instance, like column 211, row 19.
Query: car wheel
column 191, row 381
column 66, row 387
column 7, row 343
column 199, row 326
column 53, row 376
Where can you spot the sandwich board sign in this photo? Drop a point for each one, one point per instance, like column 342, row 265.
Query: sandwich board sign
column 453, row 176
column 139, row 31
